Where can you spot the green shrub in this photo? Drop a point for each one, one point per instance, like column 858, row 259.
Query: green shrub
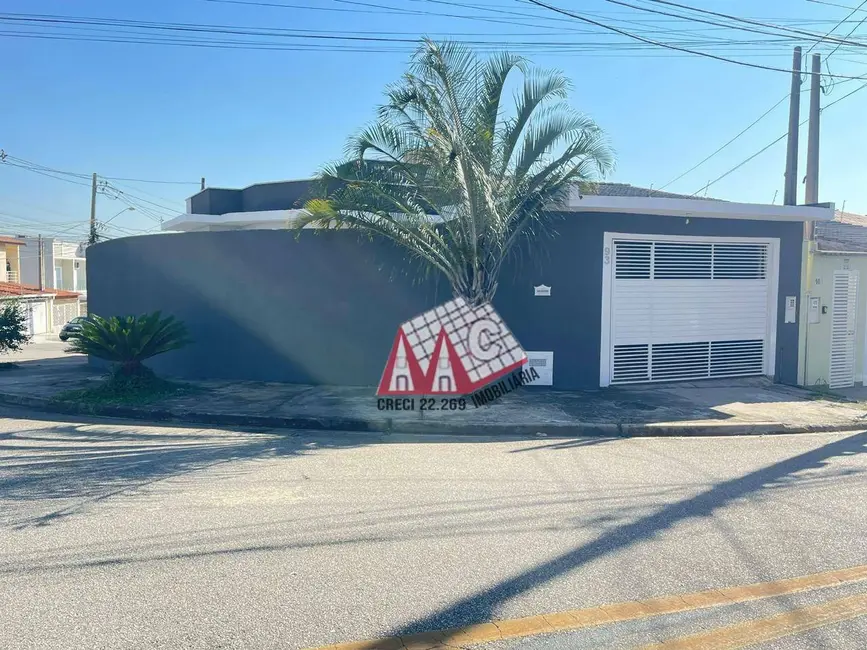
column 13, row 327
column 119, row 389
column 127, row 341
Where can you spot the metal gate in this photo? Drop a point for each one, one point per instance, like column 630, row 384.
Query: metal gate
column 683, row 308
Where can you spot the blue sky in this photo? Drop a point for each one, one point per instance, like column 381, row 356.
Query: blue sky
column 240, row 116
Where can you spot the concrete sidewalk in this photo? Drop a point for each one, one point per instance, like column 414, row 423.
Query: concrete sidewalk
column 719, row 407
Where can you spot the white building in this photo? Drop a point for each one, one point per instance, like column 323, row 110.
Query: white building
column 64, row 265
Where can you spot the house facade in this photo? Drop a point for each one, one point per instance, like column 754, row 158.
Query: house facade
column 834, row 306
column 64, row 267
column 637, row 286
column 45, row 310
column 10, row 258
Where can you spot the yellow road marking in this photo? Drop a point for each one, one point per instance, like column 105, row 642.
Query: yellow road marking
column 615, row 613
column 768, row 629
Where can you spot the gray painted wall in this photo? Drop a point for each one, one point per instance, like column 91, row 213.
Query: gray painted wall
column 283, row 195
column 324, row 308
column 261, row 304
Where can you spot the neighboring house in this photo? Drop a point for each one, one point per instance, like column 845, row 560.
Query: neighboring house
column 834, row 305
column 644, row 287
column 10, row 258
column 64, row 266
column 273, row 206
column 46, row 310
column 258, row 207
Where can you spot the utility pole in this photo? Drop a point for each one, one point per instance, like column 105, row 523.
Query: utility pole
column 812, row 190
column 790, row 193
column 93, row 233
column 203, row 182
column 39, row 254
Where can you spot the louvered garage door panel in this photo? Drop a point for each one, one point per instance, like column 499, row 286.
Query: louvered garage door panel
column 688, row 310
column 843, row 317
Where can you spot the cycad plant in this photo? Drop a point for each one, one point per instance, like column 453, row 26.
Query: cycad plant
column 128, row 340
column 453, row 174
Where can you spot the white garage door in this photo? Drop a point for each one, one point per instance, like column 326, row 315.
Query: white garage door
column 680, row 308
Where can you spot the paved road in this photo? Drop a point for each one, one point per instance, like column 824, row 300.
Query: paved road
column 117, row 535
column 46, row 346
column 43, row 348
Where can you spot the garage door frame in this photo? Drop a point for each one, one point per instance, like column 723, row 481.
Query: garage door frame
column 773, row 276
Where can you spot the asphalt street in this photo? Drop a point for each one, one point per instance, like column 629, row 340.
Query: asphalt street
column 119, row 535
column 45, row 346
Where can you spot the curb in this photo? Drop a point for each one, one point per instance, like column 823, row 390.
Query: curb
column 389, row 425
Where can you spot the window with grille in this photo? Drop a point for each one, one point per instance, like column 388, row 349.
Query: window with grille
column 684, row 361
column 682, row 261
column 632, row 259
column 644, row 260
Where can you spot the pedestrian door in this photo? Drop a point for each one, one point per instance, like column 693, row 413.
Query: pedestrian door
column 844, row 305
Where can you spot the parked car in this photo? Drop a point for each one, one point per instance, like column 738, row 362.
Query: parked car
column 71, row 327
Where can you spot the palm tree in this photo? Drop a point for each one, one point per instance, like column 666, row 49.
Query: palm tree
column 454, row 177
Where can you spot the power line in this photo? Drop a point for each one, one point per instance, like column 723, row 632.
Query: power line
column 750, row 21
column 50, row 20
column 21, row 161
column 703, row 161
column 784, row 98
column 742, row 163
column 771, row 144
column 583, row 48
column 42, row 173
column 150, row 194
column 150, row 180
column 499, row 10
column 833, row 4
column 696, row 20
column 861, row 22
column 32, row 166
column 156, row 213
column 108, row 188
column 674, row 47
column 833, row 29
column 333, row 45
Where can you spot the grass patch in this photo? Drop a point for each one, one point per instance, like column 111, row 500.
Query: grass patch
column 8, row 365
column 119, row 390
column 825, row 393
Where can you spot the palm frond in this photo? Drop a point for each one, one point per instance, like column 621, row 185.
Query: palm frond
column 129, row 340
column 454, row 176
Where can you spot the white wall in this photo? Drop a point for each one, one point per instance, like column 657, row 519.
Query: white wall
column 38, row 312
column 54, row 253
column 30, row 262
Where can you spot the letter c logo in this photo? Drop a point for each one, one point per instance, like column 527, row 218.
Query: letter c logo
column 485, row 350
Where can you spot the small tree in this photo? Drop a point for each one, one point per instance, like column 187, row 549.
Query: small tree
column 128, row 340
column 448, row 142
column 13, row 327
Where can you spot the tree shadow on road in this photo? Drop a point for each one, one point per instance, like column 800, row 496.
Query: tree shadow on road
column 482, row 605
column 90, row 463
column 567, row 444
